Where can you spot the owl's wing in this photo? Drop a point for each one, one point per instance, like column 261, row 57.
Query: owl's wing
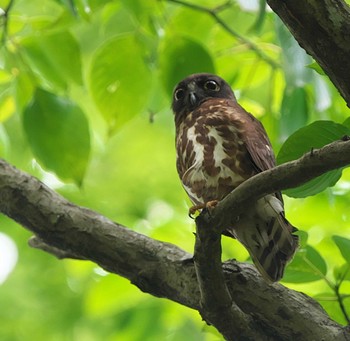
column 265, row 231
column 258, row 145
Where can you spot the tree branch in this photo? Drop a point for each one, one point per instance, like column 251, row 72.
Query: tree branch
column 322, row 28
column 288, row 175
column 245, row 306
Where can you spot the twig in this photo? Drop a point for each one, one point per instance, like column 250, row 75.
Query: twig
column 214, row 13
column 6, row 20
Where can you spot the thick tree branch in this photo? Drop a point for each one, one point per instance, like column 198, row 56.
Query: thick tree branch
column 322, row 28
column 246, row 305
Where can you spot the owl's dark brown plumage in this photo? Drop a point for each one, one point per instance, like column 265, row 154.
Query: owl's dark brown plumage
column 219, row 145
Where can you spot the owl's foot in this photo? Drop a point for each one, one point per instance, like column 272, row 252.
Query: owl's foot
column 208, row 205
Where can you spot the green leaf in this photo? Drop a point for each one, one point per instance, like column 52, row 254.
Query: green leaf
column 343, row 245
column 54, row 58
column 315, row 135
column 303, row 237
column 315, row 66
column 58, row 134
column 307, row 266
column 294, row 110
column 342, row 273
column 120, row 82
column 346, row 123
column 181, row 57
column 294, row 58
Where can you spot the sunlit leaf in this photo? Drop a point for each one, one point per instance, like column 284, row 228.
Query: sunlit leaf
column 343, row 245
column 315, row 66
column 120, row 81
column 181, row 57
column 54, row 58
column 7, row 105
column 315, row 135
column 307, row 266
column 32, row 16
column 58, row 134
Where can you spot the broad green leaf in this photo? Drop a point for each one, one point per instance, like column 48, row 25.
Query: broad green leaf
column 307, row 266
column 58, row 134
column 54, row 58
column 346, row 123
column 180, row 57
column 120, row 81
column 315, row 135
column 343, row 246
column 294, row 110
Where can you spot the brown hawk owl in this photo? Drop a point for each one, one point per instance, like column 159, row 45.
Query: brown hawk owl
column 219, row 145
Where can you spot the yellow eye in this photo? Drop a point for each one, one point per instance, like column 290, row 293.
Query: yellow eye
column 211, row 85
column 179, row 93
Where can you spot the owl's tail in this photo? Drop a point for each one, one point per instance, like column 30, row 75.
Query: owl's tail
column 268, row 237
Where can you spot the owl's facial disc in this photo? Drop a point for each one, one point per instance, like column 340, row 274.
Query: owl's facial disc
column 197, row 88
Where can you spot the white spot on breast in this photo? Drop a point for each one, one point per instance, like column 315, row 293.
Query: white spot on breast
column 219, row 156
column 197, row 147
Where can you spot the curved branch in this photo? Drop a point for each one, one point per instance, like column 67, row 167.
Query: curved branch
column 288, row 175
column 322, row 28
column 251, row 306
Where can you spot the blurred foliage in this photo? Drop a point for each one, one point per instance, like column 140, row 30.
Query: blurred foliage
column 85, row 92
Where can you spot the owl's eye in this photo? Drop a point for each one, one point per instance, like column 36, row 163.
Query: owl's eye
column 211, row 85
column 179, row 93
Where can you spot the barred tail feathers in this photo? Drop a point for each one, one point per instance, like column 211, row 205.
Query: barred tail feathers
column 267, row 235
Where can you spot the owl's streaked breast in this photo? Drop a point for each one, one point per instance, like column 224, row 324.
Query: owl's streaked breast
column 209, row 154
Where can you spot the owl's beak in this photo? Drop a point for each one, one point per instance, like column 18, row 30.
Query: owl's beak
column 193, row 98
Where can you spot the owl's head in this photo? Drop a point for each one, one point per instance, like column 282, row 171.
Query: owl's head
column 197, row 88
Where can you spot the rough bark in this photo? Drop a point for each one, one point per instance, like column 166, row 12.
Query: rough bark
column 232, row 296
column 322, row 28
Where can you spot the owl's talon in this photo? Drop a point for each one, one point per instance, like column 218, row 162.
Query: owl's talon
column 211, row 204
column 192, row 210
column 208, row 205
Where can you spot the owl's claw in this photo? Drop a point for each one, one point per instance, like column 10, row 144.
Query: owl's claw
column 208, row 205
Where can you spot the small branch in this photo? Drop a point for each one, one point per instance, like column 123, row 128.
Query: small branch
column 214, row 13
column 340, row 299
column 39, row 244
